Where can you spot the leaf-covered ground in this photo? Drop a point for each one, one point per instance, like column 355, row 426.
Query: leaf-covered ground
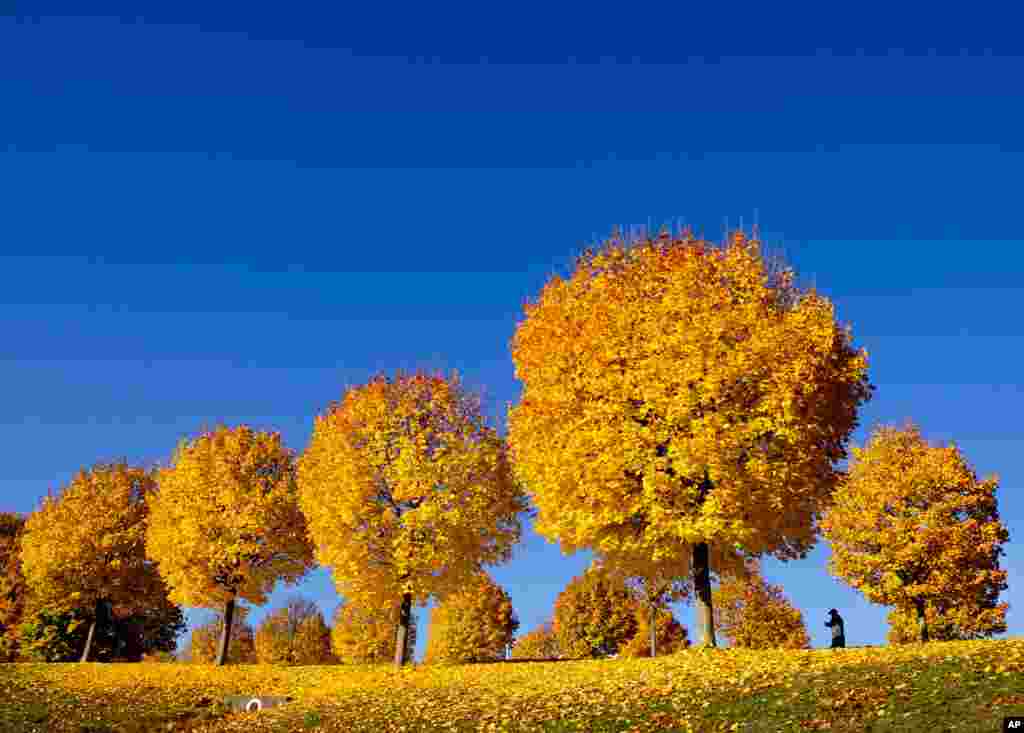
column 963, row 686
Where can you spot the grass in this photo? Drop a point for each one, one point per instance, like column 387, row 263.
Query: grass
column 942, row 686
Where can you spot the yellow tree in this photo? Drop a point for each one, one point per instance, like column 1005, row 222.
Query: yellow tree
column 664, row 636
column 673, row 394
column 225, row 523
column 408, row 493
column 13, row 590
column 949, row 620
column 475, row 624
column 912, row 525
column 594, row 615
column 289, row 635
column 656, row 584
column 85, row 548
column 753, row 614
column 312, row 644
column 367, row 635
column 540, row 643
column 204, row 646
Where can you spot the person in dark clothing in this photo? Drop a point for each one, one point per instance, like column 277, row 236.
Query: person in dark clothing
column 835, row 621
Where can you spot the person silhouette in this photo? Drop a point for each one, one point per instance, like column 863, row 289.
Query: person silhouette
column 838, row 632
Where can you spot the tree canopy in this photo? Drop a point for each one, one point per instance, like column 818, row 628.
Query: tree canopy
column 473, row 625
column 408, row 492
column 753, row 614
column 673, row 394
column 225, row 522
column 594, row 615
column 362, row 635
column 84, row 549
column 913, row 526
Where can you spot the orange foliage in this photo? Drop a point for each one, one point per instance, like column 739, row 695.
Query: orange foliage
column 407, row 491
column 225, row 522
column 672, row 394
column 753, row 614
column 912, row 525
column 594, row 615
column 475, row 624
column 368, row 636
column 540, row 643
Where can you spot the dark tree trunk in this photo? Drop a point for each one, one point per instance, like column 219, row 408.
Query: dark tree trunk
column 225, row 634
column 702, row 593
column 922, row 622
column 404, row 615
column 654, row 632
column 102, row 614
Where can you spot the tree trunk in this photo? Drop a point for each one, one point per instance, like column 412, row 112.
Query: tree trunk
column 97, row 610
column 702, row 592
column 922, row 622
column 225, row 634
column 403, row 629
column 654, row 632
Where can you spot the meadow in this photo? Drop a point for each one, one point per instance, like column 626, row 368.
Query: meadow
column 940, row 686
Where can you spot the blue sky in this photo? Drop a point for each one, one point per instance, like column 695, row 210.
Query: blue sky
column 229, row 218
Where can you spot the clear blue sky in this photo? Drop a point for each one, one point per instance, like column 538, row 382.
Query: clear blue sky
column 228, row 218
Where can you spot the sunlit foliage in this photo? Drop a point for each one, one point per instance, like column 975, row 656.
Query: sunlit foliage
column 912, row 525
column 948, row 621
column 670, row 635
column 538, row 643
column 225, row 522
column 84, row 549
column 594, row 616
column 294, row 634
column 475, row 624
column 13, row 590
column 754, row 614
column 408, row 492
column 367, row 636
column 966, row 686
column 673, row 394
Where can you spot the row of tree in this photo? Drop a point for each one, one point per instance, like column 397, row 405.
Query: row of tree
column 683, row 412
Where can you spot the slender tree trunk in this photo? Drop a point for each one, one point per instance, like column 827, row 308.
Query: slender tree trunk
column 404, row 615
column 654, row 632
column 702, row 592
column 922, row 622
column 225, row 634
column 97, row 610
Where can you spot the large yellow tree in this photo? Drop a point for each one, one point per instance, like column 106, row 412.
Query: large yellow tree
column 673, row 394
column 295, row 634
column 595, row 615
column 475, row 624
column 408, row 493
column 84, row 548
column 225, row 523
column 913, row 526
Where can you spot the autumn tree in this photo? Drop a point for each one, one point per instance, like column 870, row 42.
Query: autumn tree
column 594, row 615
column 539, row 643
column 84, row 548
column 367, row 635
column 949, row 621
column 294, row 634
column 12, row 584
column 665, row 636
column 673, row 394
column 57, row 632
column 225, row 522
column 913, row 526
column 408, row 493
column 475, row 624
column 655, row 583
column 207, row 640
column 753, row 614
